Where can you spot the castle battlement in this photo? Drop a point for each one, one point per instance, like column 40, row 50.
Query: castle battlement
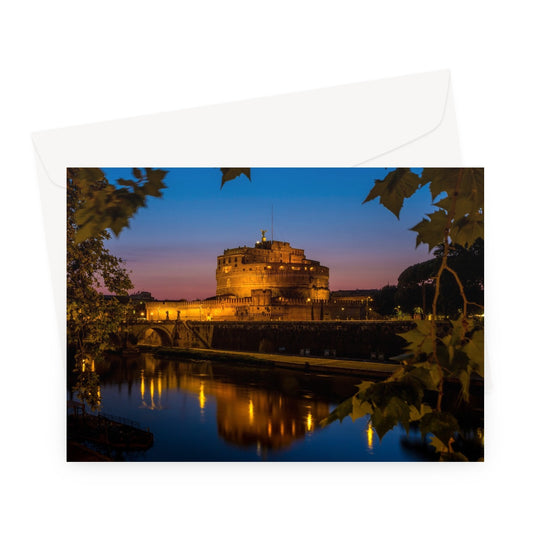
column 273, row 265
column 268, row 281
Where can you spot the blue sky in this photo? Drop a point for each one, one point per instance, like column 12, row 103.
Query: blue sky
column 172, row 245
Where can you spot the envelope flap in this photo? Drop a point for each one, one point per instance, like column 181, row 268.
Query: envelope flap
column 341, row 126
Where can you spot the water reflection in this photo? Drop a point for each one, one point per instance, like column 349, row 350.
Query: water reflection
column 246, row 415
column 155, row 399
column 370, row 436
column 208, row 410
column 255, row 408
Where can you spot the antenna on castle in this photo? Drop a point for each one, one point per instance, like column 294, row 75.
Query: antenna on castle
column 272, row 232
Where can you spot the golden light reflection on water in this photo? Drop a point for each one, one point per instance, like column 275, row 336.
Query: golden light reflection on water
column 246, row 415
column 201, row 395
column 370, row 436
column 251, row 411
column 155, row 399
column 309, row 422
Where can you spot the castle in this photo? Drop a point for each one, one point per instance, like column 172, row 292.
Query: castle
column 274, row 266
column 269, row 281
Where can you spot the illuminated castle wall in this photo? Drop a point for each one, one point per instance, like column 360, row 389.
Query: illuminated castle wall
column 270, row 281
column 274, row 266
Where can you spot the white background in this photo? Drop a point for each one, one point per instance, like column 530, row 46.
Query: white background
column 66, row 63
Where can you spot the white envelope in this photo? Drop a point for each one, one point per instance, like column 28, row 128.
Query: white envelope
column 407, row 121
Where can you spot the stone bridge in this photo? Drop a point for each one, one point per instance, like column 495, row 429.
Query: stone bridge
column 171, row 333
column 332, row 338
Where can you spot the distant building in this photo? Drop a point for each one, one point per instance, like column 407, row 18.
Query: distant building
column 270, row 281
column 141, row 295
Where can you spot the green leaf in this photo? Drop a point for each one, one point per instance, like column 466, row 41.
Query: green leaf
column 462, row 207
column 475, row 350
column 432, row 231
column 441, row 424
column 339, row 413
column 441, row 180
column 426, row 374
column 467, row 229
column 438, row 445
column 229, row 174
column 416, row 414
column 103, row 206
column 363, row 386
column 419, row 338
column 382, row 423
column 472, row 187
column 398, row 410
column 360, row 408
column 464, row 379
column 394, row 189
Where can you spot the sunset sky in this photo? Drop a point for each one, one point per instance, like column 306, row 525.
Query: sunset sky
column 172, row 245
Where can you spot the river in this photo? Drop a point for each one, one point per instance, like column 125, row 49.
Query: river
column 211, row 411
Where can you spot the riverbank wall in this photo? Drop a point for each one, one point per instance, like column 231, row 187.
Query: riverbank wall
column 346, row 339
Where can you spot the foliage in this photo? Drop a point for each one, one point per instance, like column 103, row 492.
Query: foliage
column 91, row 317
column 416, row 284
column 108, row 206
column 232, row 173
column 385, row 300
column 94, row 206
column 434, row 356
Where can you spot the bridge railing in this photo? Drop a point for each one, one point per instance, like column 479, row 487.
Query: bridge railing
column 120, row 420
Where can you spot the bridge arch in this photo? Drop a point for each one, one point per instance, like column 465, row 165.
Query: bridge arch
column 155, row 336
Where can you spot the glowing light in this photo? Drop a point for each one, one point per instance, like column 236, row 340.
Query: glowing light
column 142, row 385
column 201, row 396
column 370, row 435
column 152, row 393
column 251, row 411
column 309, row 422
column 269, row 428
